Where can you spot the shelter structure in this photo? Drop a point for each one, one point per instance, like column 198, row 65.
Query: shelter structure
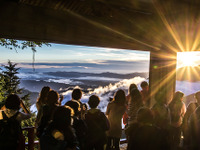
column 163, row 27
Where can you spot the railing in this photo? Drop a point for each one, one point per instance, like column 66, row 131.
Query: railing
column 31, row 137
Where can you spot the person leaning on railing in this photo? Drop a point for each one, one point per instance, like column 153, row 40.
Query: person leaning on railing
column 10, row 123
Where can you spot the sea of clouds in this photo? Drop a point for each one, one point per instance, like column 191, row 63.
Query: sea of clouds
column 107, row 92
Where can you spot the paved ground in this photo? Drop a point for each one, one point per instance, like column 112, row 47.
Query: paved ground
column 123, row 146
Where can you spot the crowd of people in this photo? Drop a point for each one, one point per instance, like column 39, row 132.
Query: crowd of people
column 74, row 126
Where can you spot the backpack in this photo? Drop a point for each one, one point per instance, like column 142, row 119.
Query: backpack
column 47, row 141
column 10, row 130
column 97, row 126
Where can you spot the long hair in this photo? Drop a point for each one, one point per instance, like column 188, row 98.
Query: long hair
column 132, row 86
column 120, row 97
column 52, row 98
column 43, row 95
column 136, row 96
column 178, row 96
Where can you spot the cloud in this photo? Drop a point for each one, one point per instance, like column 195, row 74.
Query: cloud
column 92, row 66
column 105, row 92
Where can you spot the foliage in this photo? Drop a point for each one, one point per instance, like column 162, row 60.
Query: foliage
column 11, row 79
column 2, row 84
column 31, row 121
column 10, row 84
column 15, row 44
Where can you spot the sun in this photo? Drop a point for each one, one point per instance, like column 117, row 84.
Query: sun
column 185, row 59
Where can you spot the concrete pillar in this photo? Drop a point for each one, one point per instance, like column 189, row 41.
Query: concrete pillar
column 162, row 74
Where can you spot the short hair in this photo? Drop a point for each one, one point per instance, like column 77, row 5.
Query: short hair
column 145, row 115
column 75, row 105
column 93, row 101
column 13, row 102
column 76, row 94
column 120, row 97
column 144, row 84
column 52, row 97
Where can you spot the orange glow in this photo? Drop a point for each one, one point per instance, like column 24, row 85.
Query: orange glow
column 188, row 59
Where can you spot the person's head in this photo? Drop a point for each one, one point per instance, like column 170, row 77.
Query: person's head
column 197, row 96
column 136, row 95
column 52, row 98
column 178, row 96
column 145, row 86
column 145, row 115
column 132, row 86
column 43, row 94
column 93, row 101
column 12, row 102
column 120, row 97
column 62, row 116
column 75, row 106
column 76, row 94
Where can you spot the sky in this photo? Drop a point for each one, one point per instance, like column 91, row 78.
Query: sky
column 61, row 57
column 79, row 58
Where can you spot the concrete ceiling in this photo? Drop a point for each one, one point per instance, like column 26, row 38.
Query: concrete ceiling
column 152, row 25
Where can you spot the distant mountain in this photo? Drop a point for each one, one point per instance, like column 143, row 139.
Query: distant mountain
column 188, row 73
column 104, row 74
column 33, row 95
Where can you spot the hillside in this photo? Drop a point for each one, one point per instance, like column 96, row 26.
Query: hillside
column 191, row 74
column 104, row 74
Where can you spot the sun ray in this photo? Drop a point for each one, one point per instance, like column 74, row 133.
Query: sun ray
column 112, row 30
column 166, row 78
column 169, row 28
column 181, row 73
column 195, row 72
column 187, row 36
column 196, row 41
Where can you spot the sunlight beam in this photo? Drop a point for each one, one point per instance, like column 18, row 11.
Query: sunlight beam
column 169, row 28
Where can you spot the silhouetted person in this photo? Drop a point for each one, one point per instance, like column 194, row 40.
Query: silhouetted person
column 144, row 135
column 115, row 111
column 78, row 124
column 41, row 101
column 48, row 111
column 10, row 123
column 59, row 135
column 97, row 125
column 128, row 99
column 194, row 126
column 76, row 97
column 42, row 97
column 177, row 109
column 190, row 110
column 161, row 111
column 134, row 105
column 145, row 94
